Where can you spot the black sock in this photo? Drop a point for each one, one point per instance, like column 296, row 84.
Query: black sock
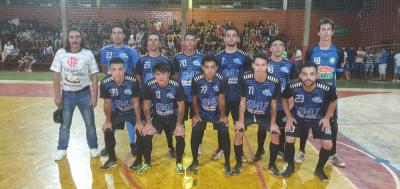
column 303, row 139
column 334, row 129
column 261, row 136
column 238, row 153
column 197, row 136
column 109, row 140
column 226, row 143
column 180, row 147
column 323, row 158
column 168, row 135
column 282, row 140
column 148, row 145
column 289, row 153
column 273, row 153
column 139, row 147
column 219, row 142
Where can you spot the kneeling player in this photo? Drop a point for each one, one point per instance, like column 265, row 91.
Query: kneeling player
column 163, row 106
column 208, row 91
column 314, row 104
column 121, row 92
column 259, row 92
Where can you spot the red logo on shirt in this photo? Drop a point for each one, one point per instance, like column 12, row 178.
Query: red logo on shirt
column 73, row 62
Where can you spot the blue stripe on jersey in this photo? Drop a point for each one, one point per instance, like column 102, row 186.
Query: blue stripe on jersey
column 145, row 66
column 259, row 96
column 121, row 96
column 188, row 66
column 327, row 62
column 208, row 94
column 281, row 70
column 126, row 53
column 164, row 105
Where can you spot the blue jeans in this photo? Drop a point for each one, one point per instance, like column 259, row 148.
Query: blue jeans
column 70, row 101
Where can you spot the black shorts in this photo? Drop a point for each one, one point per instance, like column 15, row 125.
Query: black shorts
column 160, row 124
column 188, row 111
column 118, row 121
column 301, row 129
column 264, row 123
column 233, row 108
column 216, row 124
column 281, row 119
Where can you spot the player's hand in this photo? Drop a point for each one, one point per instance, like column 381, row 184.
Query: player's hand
column 195, row 120
column 139, row 126
column 224, row 119
column 93, row 102
column 290, row 124
column 106, row 125
column 179, row 130
column 57, row 101
column 325, row 124
column 239, row 126
column 147, row 129
column 275, row 129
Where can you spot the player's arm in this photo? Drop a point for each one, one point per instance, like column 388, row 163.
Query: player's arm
column 95, row 85
column 57, row 89
column 103, row 62
column 147, row 96
column 239, row 126
column 286, row 95
column 195, row 103
column 332, row 98
column 175, row 67
column 136, row 105
column 180, row 100
column 221, row 100
column 274, row 102
column 105, row 94
column 138, row 71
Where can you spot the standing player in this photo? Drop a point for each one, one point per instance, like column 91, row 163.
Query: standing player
column 259, row 92
column 130, row 57
column 208, row 91
column 314, row 105
column 233, row 63
column 328, row 57
column 163, row 106
column 121, row 104
column 282, row 69
column 144, row 72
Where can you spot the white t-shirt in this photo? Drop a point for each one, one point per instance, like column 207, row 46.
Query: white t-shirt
column 75, row 68
column 299, row 55
column 8, row 49
column 397, row 59
column 360, row 56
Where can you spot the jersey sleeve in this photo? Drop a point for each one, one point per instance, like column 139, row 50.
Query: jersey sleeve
column 175, row 64
column 307, row 56
column 57, row 64
column 277, row 93
column 147, row 93
column 287, row 93
column 136, row 89
column 242, row 87
column 180, row 95
column 224, row 86
column 332, row 94
column 341, row 57
column 134, row 57
column 103, row 59
column 139, row 67
column 104, row 93
column 93, row 67
column 247, row 63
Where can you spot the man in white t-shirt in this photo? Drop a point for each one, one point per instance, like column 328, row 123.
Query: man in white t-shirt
column 76, row 69
column 396, row 77
column 359, row 65
column 7, row 50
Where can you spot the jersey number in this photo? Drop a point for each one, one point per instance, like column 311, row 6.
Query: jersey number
column 299, row 98
column 158, row 95
column 251, row 90
column 203, row 89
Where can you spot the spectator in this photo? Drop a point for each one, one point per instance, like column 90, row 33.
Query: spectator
column 359, row 65
column 396, row 77
column 369, row 63
column 383, row 65
column 8, row 50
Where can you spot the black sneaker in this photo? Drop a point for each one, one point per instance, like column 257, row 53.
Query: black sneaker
column 273, row 170
column 103, row 152
column 288, row 171
column 193, row 167
column 136, row 165
column 321, row 175
column 109, row 164
column 227, row 171
column 236, row 170
column 172, row 153
column 257, row 157
column 133, row 149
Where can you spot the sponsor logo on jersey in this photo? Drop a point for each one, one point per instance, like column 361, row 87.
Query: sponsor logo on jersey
column 236, row 61
column 284, row 70
column 196, row 63
column 170, row 95
column 128, row 91
column 332, row 60
column 325, row 72
column 267, row 92
column 317, row 99
column 216, row 88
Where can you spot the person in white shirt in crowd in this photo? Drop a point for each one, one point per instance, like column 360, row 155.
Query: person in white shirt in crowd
column 7, row 50
column 396, row 77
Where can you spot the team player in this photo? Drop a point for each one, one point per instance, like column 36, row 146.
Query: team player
column 208, row 91
column 314, row 105
column 121, row 93
column 130, row 57
column 259, row 93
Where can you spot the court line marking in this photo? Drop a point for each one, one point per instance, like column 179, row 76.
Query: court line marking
column 127, row 173
column 258, row 168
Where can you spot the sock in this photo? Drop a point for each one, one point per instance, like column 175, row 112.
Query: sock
column 323, row 158
column 238, row 153
column 261, row 136
column 273, row 153
column 180, row 147
column 289, row 153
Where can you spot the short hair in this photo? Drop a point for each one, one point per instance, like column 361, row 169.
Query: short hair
column 308, row 64
column 161, row 67
column 117, row 26
column 260, row 56
column 189, row 33
column 210, row 58
column 154, row 33
column 116, row 60
column 276, row 38
column 231, row 28
column 326, row 21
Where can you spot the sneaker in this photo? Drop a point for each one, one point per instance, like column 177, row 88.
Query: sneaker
column 257, row 157
column 393, row 80
column 103, row 152
column 218, row 154
column 144, row 169
column 133, row 149
column 136, row 165
column 321, row 175
column 272, row 169
column 227, row 171
column 236, row 170
column 172, row 153
column 336, row 160
column 59, row 155
column 282, row 155
column 244, row 158
column 108, row 164
column 94, row 152
column 288, row 171
column 300, row 157
column 180, row 169
column 193, row 167
column 200, row 151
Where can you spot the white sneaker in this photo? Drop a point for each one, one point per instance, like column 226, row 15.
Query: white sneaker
column 218, row 155
column 94, row 152
column 336, row 160
column 300, row 157
column 244, row 158
column 200, row 151
column 59, row 155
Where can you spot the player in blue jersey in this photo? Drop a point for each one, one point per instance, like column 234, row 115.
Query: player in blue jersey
column 208, row 91
column 328, row 57
column 163, row 106
column 259, row 94
column 144, row 72
column 233, row 63
column 121, row 93
column 314, row 106
column 282, row 69
column 130, row 57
